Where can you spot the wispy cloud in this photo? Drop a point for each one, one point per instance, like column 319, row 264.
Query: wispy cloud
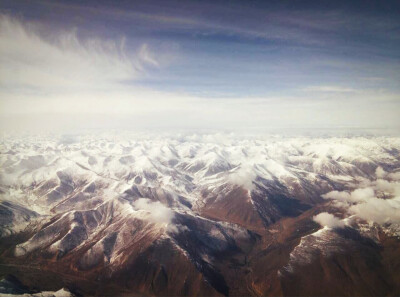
column 330, row 89
column 28, row 60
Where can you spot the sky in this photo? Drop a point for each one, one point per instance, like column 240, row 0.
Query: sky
column 227, row 65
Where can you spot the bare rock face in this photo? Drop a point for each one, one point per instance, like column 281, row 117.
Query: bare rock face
column 251, row 217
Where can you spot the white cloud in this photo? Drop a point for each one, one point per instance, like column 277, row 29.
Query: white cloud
column 360, row 195
column 157, row 212
column 355, row 196
column 379, row 203
column 378, row 210
column 392, row 188
column 328, row 220
column 243, row 176
column 380, row 173
column 337, row 195
column 395, row 176
column 146, row 56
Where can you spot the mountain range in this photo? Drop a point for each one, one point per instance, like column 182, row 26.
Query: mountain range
column 200, row 215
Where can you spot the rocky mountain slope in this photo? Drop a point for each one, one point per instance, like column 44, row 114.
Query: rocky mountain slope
column 201, row 215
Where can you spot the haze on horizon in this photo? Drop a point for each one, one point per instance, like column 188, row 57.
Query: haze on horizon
column 199, row 65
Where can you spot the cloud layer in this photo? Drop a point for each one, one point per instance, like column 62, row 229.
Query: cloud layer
column 152, row 67
column 379, row 202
